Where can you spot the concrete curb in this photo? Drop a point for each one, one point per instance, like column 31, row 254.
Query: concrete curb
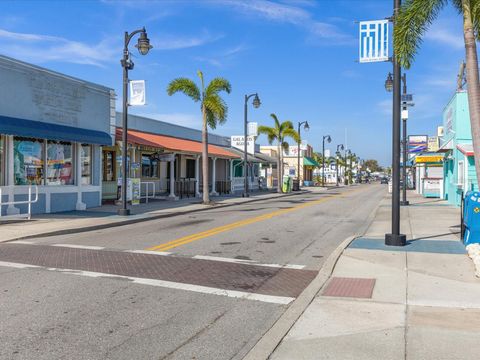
column 146, row 218
column 272, row 338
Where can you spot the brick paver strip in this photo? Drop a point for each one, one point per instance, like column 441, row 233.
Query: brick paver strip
column 350, row 287
column 223, row 275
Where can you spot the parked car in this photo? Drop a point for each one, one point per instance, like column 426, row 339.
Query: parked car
column 384, row 180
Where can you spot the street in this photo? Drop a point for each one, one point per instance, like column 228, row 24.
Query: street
column 206, row 285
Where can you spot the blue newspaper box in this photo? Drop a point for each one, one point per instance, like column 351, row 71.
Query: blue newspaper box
column 471, row 217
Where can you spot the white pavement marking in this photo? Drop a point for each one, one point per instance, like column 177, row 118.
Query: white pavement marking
column 283, row 300
column 248, row 262
column 149, row 252
column 22, row 242
column 74, row 246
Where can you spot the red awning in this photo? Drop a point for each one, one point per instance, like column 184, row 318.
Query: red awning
column 466, row 149
column 172, row 143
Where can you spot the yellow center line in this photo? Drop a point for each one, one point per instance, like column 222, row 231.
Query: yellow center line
column 220, row 229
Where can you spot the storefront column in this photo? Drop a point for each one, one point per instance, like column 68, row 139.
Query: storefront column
column 78, row 176
column 214, row 171
column 11, row 209
column 197, row 176
column 172, row 179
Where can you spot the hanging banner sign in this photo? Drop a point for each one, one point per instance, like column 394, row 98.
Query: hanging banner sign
column 137, row 92
column 373, row 41
column 252, row 129
column 417, row 143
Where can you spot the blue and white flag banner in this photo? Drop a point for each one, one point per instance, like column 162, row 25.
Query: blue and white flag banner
column 373, row 41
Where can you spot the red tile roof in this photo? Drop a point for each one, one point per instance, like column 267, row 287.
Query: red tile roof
column 172, row 143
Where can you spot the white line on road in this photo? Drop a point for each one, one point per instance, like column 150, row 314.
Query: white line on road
column 248, row 262
column 22, row 242
column 283, row 300
column 149, row 252
column 74, row 246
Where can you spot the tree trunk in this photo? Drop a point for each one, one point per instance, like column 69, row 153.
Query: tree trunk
column 473, row 84
column 279, row 170
column 206, row 194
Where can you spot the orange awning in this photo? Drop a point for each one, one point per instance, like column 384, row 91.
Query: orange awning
column 172, row 143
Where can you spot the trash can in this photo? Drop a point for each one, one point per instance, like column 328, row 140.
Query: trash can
column 471, row 218
column 296, row 185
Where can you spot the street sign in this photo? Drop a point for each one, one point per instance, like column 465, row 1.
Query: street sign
column 373, row 41
column 407, row 97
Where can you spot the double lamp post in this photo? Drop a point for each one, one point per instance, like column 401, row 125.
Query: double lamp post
column 306, row 127
column 256, row 104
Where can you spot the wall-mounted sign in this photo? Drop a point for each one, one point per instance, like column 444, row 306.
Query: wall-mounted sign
column 238, row 142
column 373, row 41
column 433, row 143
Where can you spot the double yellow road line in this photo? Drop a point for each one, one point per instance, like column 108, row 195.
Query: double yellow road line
column 220, row 229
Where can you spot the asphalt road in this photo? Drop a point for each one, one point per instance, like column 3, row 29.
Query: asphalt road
column 206, row 285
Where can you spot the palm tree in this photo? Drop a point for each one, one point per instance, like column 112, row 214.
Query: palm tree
column 214, row 111
column 279, row 132
column 413, row 20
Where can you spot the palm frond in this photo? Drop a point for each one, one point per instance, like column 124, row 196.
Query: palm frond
column 216, row 85
column 285, row 146
column 275, row 119
column 211, row 120
column 269, row 131
column 414, row 18
column 475, row 12
column 291, row 133
column 217, row 106
column 202, row 81
column 186, row 86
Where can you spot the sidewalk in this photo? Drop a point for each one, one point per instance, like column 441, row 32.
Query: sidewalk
column 106, row 215
column 417, row 302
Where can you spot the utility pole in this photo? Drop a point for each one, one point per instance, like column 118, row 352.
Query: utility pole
column 404, row 202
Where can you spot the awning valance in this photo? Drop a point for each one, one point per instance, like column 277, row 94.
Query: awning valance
column 308, row 161
column 172, row 143
column 42, row 130
column 466, row 149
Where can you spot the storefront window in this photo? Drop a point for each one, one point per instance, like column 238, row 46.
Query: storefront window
column 86, row 162
column 59, row 163
column 149, row 166
column 2, row 160
column 28, row 161
column 109, row 162
column 190, row 169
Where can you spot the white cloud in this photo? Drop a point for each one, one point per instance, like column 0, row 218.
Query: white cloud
column 175, row 42
column 43, row 48
column 221, row 57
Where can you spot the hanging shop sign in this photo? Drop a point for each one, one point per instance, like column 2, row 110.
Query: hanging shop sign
column 373, row 41
column 137, row 92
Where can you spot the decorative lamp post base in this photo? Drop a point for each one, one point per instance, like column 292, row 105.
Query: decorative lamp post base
column 404, row 203
column 123, row 212
column 395, row 240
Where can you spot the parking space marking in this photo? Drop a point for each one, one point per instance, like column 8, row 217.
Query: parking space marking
column 248, row 262
column 74, row 246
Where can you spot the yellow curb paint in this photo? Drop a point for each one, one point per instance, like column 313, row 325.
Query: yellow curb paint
column 201, row 235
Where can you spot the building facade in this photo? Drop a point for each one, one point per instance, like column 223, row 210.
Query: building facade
column 52, row 127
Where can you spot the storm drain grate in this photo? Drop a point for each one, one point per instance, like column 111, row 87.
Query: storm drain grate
column 350, row 287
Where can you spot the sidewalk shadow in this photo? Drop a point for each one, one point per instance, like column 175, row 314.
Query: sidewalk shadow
column 432, row 236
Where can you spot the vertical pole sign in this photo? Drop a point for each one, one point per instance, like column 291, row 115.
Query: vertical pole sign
column 373, row 46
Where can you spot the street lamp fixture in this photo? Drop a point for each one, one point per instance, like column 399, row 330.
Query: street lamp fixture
column 256, row 104
column 329, row 140
column 389, row 83
column 143, row 47
column 339, row 147
column 306, row 127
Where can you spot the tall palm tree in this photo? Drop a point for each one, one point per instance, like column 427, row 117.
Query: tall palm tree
column 214, row 111
column 413, row 20
column 279, row 132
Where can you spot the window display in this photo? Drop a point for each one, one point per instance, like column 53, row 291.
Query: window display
column 28, row 161
column 109, row 162
column 86, row 161
column 59, row 163
column 149, row 166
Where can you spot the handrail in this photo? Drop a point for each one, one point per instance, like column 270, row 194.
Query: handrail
column 147, row 183
column 29, row 201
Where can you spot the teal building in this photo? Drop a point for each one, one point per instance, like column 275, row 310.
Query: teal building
column 456, row 143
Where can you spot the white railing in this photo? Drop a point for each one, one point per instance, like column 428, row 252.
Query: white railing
column 147, row 186
column 29, row 202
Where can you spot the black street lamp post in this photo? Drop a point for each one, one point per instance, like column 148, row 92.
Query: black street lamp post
column 340, row 146
column 256, row 105
column 395, row 238
column 306, row 127
column 345, row 180
column 143, row 47
column 329, row 140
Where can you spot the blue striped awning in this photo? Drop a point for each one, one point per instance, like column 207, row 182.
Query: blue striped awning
column 41, row 130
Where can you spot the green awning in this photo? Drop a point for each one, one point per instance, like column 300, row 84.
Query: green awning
column 308, row 161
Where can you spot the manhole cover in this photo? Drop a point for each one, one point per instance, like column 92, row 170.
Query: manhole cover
column 350, row 287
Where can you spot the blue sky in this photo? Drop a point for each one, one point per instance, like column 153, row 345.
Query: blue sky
column 299, row 55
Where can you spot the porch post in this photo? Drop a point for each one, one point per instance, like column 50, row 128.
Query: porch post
column 197, row 176
column 11, row 209
column 214, row 171
column 78, row 176
column 172, row 178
